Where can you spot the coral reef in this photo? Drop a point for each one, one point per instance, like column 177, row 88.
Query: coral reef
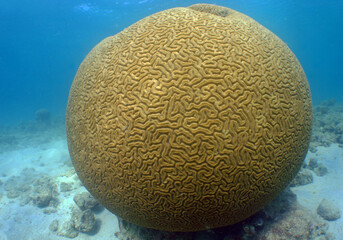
column 191, row 126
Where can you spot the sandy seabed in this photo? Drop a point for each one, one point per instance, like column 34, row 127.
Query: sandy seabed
column 28, row 158
column 46, row 157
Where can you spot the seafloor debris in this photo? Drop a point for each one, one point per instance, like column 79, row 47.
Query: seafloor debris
column 82, row 218
column 65, row 229
column 312, row 164
column 85, row 201
column 29, row 186
column 303, row 177
column 296, row 223
column 328, row 210
column 321, row 170
column 65, row 187
column 44, row 192
column 327, row 125
column 15, row 187
column 83, row 221
column 53, row 227
column 318, row 168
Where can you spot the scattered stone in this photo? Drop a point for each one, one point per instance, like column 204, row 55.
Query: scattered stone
column 18, row 187
column 84, row 221
column 321, row 170
column 17, row 184
column 65, row 187
column 328, row 210
column 53, row 227
column 302, row 178
column 312, row 164
column 69, row 173
column 44, row 191
column 49, row 210
column 12, row 193
column 296, row 223
column 41, row 193
column 327, row 125
column 313, row 149
column 43, row 197
column 85, row 201
column 25, row 200
column 29, row 173
column 66, row 229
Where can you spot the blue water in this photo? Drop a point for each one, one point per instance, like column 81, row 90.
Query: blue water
column 42, row 43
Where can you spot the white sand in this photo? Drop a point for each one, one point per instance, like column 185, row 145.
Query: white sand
column 329, row 186
column 29, row 221
column 52, row 158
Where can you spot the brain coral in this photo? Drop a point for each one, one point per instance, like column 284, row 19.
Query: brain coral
column 191, row 118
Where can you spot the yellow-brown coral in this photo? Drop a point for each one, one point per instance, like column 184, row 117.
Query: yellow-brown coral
column 192, row 118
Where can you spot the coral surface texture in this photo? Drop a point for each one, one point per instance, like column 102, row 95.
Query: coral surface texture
column 192, row 118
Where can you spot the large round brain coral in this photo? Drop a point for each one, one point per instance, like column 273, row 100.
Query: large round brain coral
column 192, row 118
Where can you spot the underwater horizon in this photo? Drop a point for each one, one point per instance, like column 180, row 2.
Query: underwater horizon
column 63, row 154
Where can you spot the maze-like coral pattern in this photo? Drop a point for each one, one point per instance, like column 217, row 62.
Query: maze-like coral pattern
column 189, row 119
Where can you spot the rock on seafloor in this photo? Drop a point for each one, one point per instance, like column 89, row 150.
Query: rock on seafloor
column 66, row 229
column 321, row 170
column 302, row 178
column 85, row 201
column 65, row 187
column 328, row 210
column 83, row 221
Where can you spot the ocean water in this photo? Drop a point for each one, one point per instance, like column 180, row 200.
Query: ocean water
column 42, row 44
